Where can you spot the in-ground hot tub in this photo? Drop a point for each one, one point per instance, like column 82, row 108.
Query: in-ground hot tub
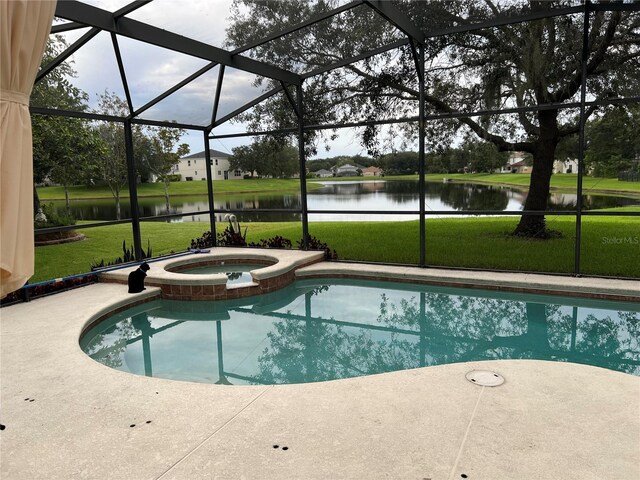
column 237, row 270
column 236, row 273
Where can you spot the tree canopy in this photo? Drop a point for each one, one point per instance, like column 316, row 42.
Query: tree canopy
column 62, row 147
column 527, row 64
column 267, row 158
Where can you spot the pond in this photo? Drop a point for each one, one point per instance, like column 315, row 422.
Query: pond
column 379, row 195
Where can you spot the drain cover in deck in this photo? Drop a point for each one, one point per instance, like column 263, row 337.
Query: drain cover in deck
column 485, row 378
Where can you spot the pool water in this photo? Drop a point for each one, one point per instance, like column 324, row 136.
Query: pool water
column 236, row 273
column 323, row 330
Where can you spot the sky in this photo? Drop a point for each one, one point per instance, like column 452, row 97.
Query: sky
column 152, row 70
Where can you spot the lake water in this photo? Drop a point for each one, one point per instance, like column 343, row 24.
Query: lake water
column 379, row 195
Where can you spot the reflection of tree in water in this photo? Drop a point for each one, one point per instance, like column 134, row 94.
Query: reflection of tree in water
column 108, row 346
column 470, row 196
column 432, row 329
column 233, row 275
column 613, row 340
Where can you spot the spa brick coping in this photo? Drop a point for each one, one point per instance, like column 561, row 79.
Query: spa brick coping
column 278, row 272
column 596, row 288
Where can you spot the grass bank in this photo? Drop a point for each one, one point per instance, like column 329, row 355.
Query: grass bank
column 560, row 181
column 611, row 245
column 177, row 189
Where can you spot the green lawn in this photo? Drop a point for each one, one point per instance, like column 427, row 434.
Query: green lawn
column 558, row 181
column 611, row 245
column 562, row 181
column 177, row 188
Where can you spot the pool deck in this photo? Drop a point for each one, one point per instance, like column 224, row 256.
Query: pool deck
column 67, row 416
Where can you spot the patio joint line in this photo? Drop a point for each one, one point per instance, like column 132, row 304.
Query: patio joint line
column 466, row 435
column 214, row 433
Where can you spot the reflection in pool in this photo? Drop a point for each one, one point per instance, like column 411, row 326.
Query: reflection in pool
column 314, row 331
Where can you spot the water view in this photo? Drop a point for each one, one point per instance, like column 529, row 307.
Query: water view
column 379, row 195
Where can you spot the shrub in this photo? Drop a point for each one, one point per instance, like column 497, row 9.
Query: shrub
column 205, row 241
column 53, row 218
column 273, row 242
column 315, row 244
column 230, row 238
column 128, row 255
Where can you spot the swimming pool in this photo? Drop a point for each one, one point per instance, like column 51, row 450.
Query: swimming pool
column 318, row 330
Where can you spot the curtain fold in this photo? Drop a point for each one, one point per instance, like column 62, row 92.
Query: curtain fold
column 24, row 30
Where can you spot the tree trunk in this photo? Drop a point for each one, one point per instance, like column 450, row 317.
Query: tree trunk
column 534, row 226
column 118, row 214
column 167, row 205
column 66, row 199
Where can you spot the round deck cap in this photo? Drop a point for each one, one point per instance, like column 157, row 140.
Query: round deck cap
column 485, row 378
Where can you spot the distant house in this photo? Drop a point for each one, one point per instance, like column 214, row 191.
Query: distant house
column 322, row 173
column 348, row 170
column 566, row 166
column 193, row 167
column 520, row 167
column 514, row 164
column 372, row 172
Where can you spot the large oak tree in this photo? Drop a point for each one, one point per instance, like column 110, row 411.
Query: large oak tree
column 526, row 64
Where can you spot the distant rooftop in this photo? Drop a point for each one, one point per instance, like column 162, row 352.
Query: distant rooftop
column 212, row 152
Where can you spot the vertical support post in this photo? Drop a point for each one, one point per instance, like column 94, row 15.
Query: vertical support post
column 303, row 170
column 421, row 166
column 581, row 142
column 212, row 213
column 133, row 189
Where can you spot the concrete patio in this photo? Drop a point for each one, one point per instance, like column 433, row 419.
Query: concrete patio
column 67, row 416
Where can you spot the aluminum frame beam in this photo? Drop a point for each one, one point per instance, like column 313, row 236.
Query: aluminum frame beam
column 246, row 107
column 357, row 58
column 66, row 27
column 307, row 23
column 76, row 11
column 175, row 88
column 133, row 6
column 397, row 18
column 66, row 54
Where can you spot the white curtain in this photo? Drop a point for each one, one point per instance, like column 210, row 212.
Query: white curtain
column 24, row 30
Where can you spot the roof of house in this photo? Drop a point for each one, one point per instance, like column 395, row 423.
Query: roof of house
column 322, row 170
column 212, row 152
column 521, row 163
column 348, row 166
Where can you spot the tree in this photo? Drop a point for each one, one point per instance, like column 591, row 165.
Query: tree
column 110, row 167
column 400, row 163
column 246, row 159
column 72, row 153
column 162, row 158
column 267, row 157
column 61, row 146
column 524, row 64
column 613, row 144
column 484, row 157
